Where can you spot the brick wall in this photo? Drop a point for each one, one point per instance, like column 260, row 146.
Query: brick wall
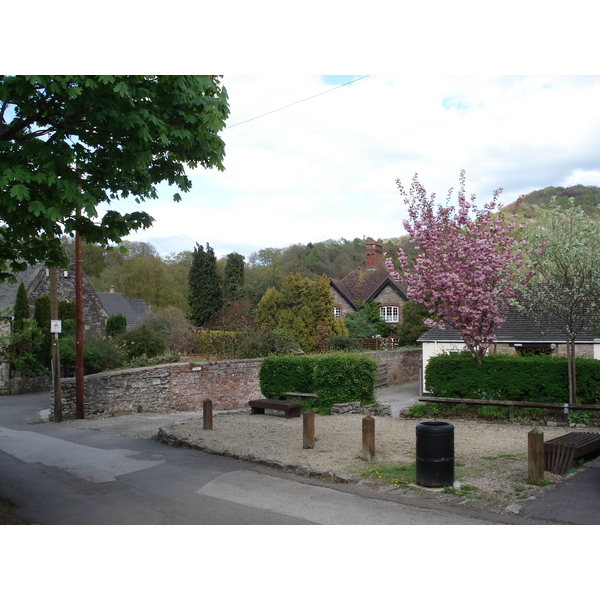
column 228, row 383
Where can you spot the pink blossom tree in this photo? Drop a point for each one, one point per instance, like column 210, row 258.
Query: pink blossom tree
column 466, row 265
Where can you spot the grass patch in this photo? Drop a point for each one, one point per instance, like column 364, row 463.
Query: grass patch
column 397, row 475
column 510, row 456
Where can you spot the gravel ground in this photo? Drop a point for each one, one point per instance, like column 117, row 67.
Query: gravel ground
column 490, row 458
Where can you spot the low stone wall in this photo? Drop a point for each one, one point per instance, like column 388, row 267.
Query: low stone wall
column 146, row 389
column 184, row 386
column 403, row 364
column 354, row 408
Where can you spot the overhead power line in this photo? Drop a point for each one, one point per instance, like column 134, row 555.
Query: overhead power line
column 298, row 102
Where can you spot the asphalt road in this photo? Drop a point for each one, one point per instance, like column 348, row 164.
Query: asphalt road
column 57, row 474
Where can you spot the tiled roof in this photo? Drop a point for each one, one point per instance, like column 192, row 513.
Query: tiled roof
column 362, row 284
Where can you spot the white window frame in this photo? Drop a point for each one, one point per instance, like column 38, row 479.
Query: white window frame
column 337, row 312
column 389, row 313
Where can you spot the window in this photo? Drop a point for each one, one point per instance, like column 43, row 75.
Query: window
column 389, row 314
column 337, row 312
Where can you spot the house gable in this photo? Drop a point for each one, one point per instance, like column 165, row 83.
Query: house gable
column 369, row 282
column 36, row 280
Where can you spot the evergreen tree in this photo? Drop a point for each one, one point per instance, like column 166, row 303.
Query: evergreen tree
column 205, row 294
column 41, row 315
column 21, row 309
column 115, row 325
column 234, row 276
column 413, row 325
column 304, row 308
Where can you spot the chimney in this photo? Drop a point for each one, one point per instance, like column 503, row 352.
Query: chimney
column 374, row 253
column 112, row 289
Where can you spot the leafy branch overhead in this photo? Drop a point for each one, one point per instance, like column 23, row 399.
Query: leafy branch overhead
column 70, row 143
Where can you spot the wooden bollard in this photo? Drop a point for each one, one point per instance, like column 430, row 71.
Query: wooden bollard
column 535, row 456
column 368, row 438
column 207, row 414
column 308, row 429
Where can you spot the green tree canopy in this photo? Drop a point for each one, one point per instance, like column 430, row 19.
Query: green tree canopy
column 69, row 143
column 565, row 290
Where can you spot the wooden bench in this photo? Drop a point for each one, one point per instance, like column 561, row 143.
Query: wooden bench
column 291, row 409
column 561, row 453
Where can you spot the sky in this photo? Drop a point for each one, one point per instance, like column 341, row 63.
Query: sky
column 512, row 97
column 309, row 158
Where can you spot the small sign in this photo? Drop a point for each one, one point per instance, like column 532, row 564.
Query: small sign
column 55, row 326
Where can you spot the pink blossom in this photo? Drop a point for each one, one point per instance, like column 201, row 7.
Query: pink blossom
column 466, row 265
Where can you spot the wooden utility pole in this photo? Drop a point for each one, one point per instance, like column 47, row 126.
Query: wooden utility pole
column 55, row 348
column 79, row 380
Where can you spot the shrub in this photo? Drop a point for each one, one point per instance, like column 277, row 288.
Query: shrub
column 172, row 326
column 289, row 373
column 23, row 347
column 504, row 377
column 141, row 341
column 99, row 354
column 116, row 325
column 345, row 378
column 335, row 378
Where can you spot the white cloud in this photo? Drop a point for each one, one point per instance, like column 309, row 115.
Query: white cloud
column 326, row 167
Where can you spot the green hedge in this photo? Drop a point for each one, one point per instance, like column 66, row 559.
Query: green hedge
column 335, row 378
column 512, row 378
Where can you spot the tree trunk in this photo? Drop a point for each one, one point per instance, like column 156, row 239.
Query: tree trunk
column 572, row 371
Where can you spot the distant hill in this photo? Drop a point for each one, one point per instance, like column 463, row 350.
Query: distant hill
column 586, row 196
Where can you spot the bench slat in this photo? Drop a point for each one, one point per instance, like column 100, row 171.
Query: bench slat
column 562, row 452
column 291, row 409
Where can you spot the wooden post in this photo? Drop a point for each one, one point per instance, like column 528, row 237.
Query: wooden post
column 308, row 429
column 207, row 419
column 368, row 438
column 535, row 456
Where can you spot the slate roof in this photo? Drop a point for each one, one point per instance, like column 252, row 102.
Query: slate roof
column 116, row 304
column 516, row 329
column 8, row 290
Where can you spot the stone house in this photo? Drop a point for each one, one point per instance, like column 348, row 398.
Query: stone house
column 369, row 282
column 97, row 306
column 36, row 279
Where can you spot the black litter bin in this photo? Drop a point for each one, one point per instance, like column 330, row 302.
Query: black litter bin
column 435, row 454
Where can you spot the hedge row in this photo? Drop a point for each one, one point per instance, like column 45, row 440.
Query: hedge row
column 512, row 378
column 335, row 378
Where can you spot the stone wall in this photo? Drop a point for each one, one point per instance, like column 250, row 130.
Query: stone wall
column 403, row 364
column 184, row 386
